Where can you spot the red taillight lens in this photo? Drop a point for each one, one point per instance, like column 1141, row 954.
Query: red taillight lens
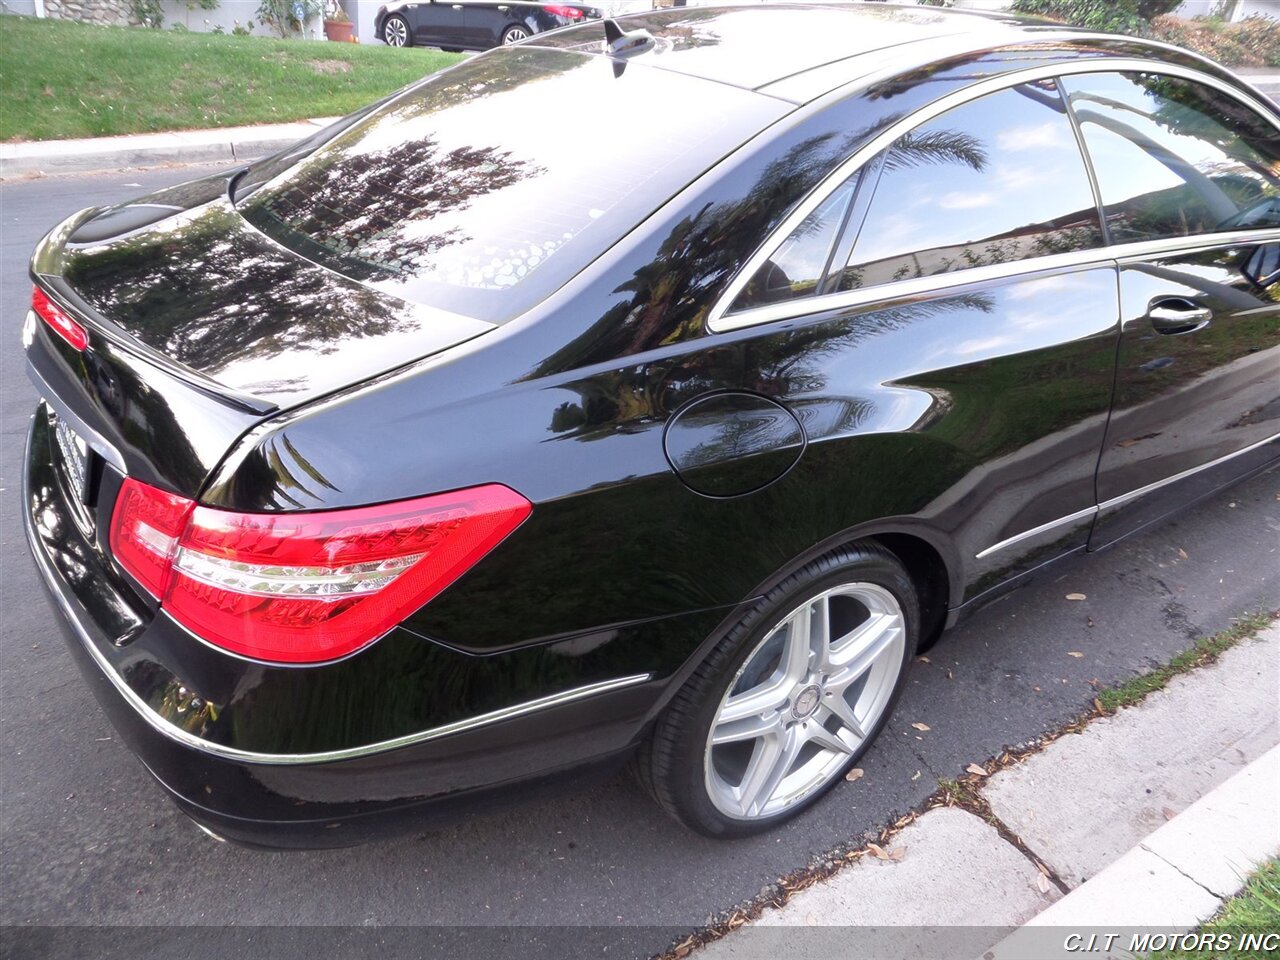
column 558, row 11
column 57, row 319
column 308, row 587
column 145, row 531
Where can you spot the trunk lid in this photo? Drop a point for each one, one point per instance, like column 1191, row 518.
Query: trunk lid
column 203, row 290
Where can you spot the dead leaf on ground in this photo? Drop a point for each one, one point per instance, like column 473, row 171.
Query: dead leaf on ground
column 1182, row 553
column 877, row 851
column 924, row 659
column 1044, row 871
column 854, row 774
column 976, row 770
column 897, row 853
column 1169, row 814
column 1077, row 596
column 1075, row 653
column 921, row 726
column 1042, row 883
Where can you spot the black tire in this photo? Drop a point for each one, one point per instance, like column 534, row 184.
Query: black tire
column 392, row 32
column 670, row 763
column 514, row 33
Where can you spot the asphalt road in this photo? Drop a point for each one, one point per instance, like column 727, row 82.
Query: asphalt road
column 87, row 838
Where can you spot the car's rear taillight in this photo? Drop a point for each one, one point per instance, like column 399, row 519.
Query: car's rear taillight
column 309, row 586
column 556, row 10
column 58, row 320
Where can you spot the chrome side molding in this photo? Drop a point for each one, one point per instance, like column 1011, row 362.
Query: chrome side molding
column 1120, row 500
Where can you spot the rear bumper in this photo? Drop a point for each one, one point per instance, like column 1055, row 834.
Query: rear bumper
column 258, row 769
column 307, row 806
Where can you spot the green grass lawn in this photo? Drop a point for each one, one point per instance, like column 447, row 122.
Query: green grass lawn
column 64, row 79
column 1255, row 909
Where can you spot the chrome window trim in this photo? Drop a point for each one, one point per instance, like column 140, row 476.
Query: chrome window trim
column 1123, row 498
column 720, row 320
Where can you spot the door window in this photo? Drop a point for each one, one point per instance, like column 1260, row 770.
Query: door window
column 1176, row 158
column 996, row 180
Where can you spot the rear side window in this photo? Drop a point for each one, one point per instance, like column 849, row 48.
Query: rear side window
column 797, row 267
column 996, row 180
column 491, row 184
column 1176, row 158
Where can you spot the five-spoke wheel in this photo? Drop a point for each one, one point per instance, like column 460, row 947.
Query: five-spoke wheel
column 803, row 701
column 789, row 698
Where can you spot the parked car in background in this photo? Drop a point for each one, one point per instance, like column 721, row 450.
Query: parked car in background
column 472, row 444
column 472, row 24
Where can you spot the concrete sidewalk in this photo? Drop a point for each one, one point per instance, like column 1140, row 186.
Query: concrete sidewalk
column 230, row 144
column 1146, row 819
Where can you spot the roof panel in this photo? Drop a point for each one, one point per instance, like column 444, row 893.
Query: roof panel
column 752, row 46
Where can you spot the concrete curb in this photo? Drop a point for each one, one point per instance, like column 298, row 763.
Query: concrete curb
column 1180, row 875
column 229, row 144
column 1149, row 818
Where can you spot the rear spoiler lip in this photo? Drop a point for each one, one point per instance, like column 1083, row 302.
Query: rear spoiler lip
column 46, row 270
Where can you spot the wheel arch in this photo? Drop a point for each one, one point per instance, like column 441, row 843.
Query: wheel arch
column 925, row 563
column 927, row 553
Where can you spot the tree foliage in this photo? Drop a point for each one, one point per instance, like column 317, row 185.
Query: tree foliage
column 289, row 17
column 1117, row 16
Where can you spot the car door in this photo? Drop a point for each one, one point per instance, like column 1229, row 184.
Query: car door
column 436, row 23
column 1189, row 177
column 945, row 332
column 483, row 23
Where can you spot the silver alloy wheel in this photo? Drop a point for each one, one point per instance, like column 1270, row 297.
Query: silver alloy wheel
column 804, row 701
column 515, row 35
column 395, row 32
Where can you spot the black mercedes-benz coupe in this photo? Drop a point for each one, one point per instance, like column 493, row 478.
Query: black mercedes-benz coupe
column 472, row 24
column 472, row 444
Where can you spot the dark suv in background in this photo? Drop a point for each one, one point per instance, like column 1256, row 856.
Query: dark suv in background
column 473, row 25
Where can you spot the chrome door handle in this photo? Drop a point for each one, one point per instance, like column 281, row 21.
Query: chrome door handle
column 1175, row 315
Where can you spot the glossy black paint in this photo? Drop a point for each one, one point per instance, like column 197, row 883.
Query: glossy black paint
column 675, row 473
column 1185, row 400
column 476, row 24
column 731, row 444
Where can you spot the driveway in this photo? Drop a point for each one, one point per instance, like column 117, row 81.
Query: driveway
column 87, row 838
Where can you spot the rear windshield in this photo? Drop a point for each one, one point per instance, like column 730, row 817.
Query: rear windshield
column 489, row 186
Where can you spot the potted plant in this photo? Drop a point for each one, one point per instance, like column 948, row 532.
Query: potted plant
column 338, row 27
